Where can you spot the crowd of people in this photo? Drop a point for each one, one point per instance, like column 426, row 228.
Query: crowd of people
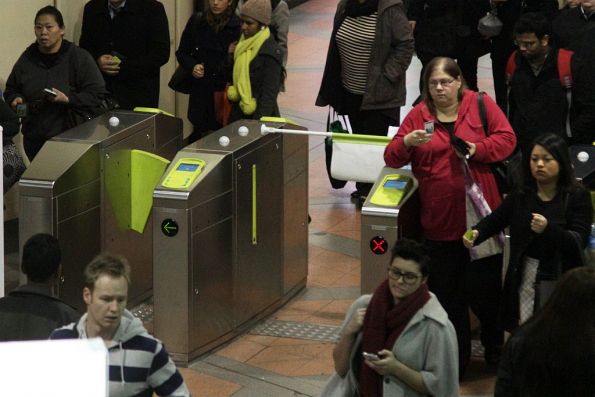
column 412, row 336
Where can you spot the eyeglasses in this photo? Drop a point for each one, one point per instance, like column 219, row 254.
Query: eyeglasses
column 526, row 44
column 408, row 278
column 443, row 82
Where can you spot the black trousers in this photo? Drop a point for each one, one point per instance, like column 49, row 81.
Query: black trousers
column 368, row 122
column 459, row 284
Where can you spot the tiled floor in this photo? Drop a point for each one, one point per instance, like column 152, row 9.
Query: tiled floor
column 260, row 365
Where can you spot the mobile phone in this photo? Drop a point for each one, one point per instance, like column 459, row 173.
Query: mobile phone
column 371, row 356
column 116, row 59
column 22, row 110
column 49, row 91
column 429, row 127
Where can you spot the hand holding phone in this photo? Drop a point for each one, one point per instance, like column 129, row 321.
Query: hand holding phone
column 429, row 127
column 371, row 356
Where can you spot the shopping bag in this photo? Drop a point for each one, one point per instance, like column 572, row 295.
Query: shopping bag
column 333, row 126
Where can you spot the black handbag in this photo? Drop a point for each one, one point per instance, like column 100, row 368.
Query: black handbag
column 181, row 81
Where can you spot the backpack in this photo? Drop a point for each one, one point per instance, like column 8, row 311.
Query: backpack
column 564, row 74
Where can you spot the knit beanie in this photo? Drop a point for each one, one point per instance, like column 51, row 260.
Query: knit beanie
column 259, row 10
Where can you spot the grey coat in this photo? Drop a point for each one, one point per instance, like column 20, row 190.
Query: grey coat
column 427, row 344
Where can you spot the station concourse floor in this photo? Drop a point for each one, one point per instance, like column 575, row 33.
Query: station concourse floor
column 289, row 354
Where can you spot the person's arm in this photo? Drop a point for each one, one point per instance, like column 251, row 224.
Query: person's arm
column 271, row 84
column 573, row 237
column 352, row 325
column 280, row 20
column 90, row 86
column 390, row 365
column 157, row 28
column 401, row 45
column 164, row 378
column 496, row 221
column 13, row 88
column 397, row 154
column 500, row 140
column 187, row 50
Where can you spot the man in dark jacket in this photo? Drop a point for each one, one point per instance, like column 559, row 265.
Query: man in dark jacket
column 129, row 39
column 509, row 12
column 570, row 25
column 537, row 100
column 32, row 311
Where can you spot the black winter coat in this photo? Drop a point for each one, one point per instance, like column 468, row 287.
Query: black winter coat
column 537, row 103
column 9, row 122
column 73, row 72
column 563, row 239
column 139, row 36
column 266, row 75
column 201, row 44
column 569, row 26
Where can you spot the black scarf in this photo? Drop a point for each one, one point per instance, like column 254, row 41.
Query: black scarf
column 354, row 8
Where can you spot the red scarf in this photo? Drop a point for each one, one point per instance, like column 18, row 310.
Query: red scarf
column 383, row 323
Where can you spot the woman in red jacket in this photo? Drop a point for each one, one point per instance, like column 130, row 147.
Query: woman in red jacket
column 436, row 137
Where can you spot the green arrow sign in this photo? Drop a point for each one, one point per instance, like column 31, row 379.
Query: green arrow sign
column 169, row 227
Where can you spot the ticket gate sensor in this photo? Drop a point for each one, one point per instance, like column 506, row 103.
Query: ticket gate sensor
column 230, row 227
column 69, row 191
column 390, row 212
column 583, row 160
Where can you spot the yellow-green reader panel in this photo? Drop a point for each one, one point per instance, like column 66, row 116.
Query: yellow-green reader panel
column 392, row 190
column 184, row 173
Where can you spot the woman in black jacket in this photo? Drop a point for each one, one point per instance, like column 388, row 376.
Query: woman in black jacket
column 553, row 355
column 206, row 49
column 51, row 77
column 550, row 222
column 258, row 65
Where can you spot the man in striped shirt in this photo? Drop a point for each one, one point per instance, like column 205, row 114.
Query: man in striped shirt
column 139, row 365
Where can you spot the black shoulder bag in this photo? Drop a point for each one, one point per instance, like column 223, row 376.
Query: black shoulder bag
column 508, row 171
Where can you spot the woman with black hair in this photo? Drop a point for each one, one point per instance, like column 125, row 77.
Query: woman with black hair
column 206, row 49
column 553, row 354
column 50, row 80
column 550, row 221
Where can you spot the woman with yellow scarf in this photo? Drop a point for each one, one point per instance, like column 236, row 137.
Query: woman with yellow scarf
column 257, row 70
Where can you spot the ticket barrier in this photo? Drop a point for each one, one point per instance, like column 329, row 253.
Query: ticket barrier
column 81, row 188
column 230, row 235
column 390, row 213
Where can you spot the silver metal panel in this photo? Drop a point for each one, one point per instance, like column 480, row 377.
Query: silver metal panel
column 389, row 223
column 258, row 275
column 172, row 281
column 212, row 284
column 373, row 267
column 79, row 242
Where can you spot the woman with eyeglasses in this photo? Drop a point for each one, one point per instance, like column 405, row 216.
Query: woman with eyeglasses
column 437, row 137
column 549, row 220
column 399, row 340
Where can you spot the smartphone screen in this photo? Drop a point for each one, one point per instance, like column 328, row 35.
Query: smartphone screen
column 429, row 127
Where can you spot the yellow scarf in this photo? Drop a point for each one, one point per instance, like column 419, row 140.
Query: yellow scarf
column 245, row 52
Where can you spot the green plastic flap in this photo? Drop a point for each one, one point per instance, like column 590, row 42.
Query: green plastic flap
column 146, row 169
column 391, row 191
column 130, row 178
